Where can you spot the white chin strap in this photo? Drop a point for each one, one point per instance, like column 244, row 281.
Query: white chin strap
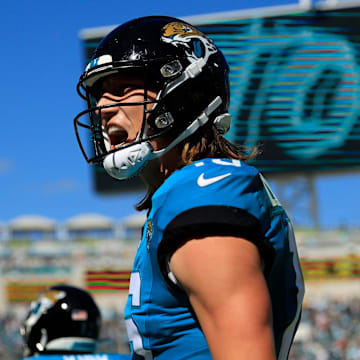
column 75, row 344
column 126, row 163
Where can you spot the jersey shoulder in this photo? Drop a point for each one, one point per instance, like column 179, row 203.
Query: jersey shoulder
column 208, row 182
column 208, row 174
column 209, row 167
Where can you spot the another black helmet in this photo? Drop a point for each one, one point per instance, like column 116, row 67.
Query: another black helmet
column 64, row 319
column 177, row 61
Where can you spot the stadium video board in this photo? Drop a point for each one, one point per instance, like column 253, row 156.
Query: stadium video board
column 295, row 87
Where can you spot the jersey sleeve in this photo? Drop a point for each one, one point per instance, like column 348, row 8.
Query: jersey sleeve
column 230, row 202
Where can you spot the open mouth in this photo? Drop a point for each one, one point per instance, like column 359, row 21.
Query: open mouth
column 117, row 136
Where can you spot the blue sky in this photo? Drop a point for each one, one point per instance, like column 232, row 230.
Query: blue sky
column 41, row 169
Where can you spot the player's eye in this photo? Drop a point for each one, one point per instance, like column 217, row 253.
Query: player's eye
column 96, row 90
column 122, row 90
column 115, row 85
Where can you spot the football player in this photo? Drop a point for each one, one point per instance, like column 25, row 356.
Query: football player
column 63, row 323
column 217, row 274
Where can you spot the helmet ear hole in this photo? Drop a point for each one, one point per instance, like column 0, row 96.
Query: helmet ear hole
column 187, row 101
column 163, row 121
column 171, row 69
column 222, row 123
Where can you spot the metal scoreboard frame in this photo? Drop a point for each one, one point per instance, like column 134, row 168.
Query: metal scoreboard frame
column 294, row 82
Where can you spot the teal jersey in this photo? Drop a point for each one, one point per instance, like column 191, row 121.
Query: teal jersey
column 100, row 356
column 208, row 197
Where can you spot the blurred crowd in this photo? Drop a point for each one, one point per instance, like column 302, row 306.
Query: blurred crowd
column 329, row 330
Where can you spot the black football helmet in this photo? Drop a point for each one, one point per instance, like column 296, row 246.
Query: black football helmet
column 174, row 59
column 63, row 319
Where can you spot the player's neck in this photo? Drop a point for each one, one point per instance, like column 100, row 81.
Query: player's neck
column 158, row 170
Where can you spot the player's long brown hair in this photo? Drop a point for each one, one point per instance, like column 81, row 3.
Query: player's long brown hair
column 206, row 143
column 210, row 144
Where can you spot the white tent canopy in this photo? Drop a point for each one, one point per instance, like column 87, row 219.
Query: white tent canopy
column 86, row 222
column 32, row 223
column 134, row 221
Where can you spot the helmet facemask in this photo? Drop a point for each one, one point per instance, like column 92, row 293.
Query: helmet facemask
column 92, row 118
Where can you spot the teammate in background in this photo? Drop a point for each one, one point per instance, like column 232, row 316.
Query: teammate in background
column 217, row 274
column 63, row 324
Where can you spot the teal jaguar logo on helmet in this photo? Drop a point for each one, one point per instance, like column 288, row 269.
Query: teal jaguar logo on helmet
column 42, row 304
column 196, row 44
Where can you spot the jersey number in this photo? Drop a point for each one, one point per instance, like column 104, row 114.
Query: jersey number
column 132, row 330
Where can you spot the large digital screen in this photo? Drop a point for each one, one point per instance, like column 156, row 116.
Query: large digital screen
column 295, row 87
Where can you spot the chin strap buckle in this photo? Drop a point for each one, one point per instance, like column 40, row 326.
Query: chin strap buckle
column 222, row 123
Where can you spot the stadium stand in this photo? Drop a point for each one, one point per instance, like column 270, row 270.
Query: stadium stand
column 96, row 252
